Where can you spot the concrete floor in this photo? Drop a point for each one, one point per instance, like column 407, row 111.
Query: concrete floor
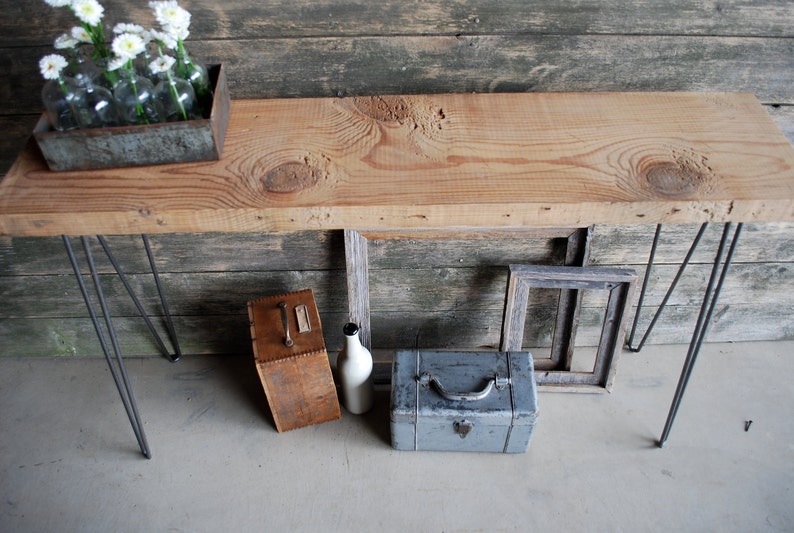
column 69, row 460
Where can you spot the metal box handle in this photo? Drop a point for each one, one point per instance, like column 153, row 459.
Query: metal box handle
column 426, row 379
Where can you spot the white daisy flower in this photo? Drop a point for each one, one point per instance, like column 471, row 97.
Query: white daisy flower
column 162, row 64
column 128, row 45
column 169, row 12
column 80, row 35
column 58, row 3
column 116, row 63
column 126, row 27
column 65, row 42
column 177, row 31
column 164, row 38
column 88, row 11
column 51, row 66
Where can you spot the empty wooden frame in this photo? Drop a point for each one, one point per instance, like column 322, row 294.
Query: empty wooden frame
column 357, row 262
column 618, row 282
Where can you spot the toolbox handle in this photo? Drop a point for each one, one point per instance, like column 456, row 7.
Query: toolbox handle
column 426, row 379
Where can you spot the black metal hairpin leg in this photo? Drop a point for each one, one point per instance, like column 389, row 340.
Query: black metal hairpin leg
column 169, row 322
column 117, row 370
column 136, row 301
column 718, row 274
column 670, row 290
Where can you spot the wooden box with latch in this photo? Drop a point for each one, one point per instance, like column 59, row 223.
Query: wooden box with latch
column 290, row 356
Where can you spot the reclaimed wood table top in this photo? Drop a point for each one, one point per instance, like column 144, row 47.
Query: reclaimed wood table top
column 435, row 161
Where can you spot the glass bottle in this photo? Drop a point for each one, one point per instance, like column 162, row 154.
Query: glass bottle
column 136, row 102
column 96, row 107
column 83, row 70
column 58, row 97
column 354, row 368
column 177, row 98
column 198, row 77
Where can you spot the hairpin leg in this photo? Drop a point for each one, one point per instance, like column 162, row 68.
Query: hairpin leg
column 670, row 290
column 704, row 320
column 168, row 320
column 117, row 370
column 139, row 306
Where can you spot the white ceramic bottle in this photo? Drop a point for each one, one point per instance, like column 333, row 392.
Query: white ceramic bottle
column 354, row 368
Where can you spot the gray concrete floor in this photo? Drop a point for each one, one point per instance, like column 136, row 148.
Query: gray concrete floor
column 69, row 460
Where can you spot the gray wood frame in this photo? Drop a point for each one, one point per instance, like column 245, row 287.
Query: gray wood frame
column 619, row 282
column 577, row 254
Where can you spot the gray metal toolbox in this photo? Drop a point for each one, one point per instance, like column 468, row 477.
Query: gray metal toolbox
column 463, row 401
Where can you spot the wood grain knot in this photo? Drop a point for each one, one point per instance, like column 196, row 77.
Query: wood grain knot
column 687, row 174
column 291, row 177
column 673, row 180
column 384, row 108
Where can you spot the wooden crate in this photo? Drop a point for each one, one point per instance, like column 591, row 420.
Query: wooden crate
column 293, row 366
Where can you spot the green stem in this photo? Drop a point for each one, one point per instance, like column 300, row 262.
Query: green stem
column 98, row 39
column 175, row 95
column 138, row 107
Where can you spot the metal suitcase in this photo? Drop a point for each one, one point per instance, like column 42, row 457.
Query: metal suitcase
column 463, row 401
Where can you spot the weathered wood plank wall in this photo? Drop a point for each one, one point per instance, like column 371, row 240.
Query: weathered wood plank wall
column 450, row 293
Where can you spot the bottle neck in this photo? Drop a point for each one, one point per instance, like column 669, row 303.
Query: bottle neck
column 352, row 342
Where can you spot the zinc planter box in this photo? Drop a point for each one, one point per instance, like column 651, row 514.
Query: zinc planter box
column 154, row 144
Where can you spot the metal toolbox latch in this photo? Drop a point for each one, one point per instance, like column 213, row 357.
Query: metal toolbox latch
column 463, row 427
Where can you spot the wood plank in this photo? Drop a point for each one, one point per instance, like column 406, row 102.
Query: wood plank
column 437, row 161
column 618, row 245
column 394, row 292
column 504, row 63
column 22, row 126
column 374, row 65
column 265, row 252
column 357, row 263
column 228, row 334
column 630, row 245
column 242, row 19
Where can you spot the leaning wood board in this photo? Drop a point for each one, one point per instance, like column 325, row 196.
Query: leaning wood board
column 425, row 161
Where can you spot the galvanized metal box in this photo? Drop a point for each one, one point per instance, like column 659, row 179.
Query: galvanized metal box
column 463, row 401
column 127, row 146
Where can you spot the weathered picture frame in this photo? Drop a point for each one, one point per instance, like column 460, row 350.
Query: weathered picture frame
column 357, row 263
column 618, row 282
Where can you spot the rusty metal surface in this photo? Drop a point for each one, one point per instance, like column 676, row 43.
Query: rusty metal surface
column 125, row 146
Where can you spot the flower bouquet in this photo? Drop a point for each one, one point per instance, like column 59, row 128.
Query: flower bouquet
column 140, row 99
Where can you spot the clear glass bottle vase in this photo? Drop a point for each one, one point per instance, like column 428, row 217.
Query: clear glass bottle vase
column 60, row 103
column 177, row 98
column 96, row 107
column 136, row 101
column 198, row 77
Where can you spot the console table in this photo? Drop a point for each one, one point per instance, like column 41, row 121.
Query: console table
column 428, row 162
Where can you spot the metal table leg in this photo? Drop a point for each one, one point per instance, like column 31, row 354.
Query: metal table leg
column 169, row 322
column 719, row 272
column 139, row 306
column 117, row 370
column 718, row 275
column 669, row 292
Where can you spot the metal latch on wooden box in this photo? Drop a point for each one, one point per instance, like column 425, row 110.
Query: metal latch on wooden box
column 301, row 318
